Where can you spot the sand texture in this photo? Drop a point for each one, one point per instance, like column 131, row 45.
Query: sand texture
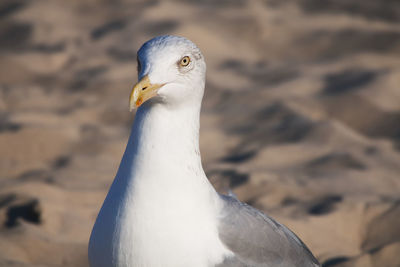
column 301, row 117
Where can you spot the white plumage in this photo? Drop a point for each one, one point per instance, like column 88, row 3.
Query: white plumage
column 161, row 209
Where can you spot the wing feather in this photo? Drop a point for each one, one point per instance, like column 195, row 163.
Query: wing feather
column 257, row 240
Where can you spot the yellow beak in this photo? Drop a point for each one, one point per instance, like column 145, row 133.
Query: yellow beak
column 142, row 92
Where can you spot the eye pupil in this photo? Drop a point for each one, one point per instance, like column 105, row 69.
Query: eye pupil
column 185, row 61
column 139, row 66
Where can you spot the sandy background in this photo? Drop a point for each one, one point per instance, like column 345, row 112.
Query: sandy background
column 301, row 117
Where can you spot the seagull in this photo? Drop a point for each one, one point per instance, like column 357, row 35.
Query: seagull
column 161, row 210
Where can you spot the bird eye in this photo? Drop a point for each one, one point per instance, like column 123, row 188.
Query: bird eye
column 184, row 61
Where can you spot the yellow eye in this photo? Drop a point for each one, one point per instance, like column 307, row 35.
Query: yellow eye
column 184, row 61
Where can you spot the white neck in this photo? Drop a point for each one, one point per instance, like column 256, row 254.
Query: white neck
column 162, row 139
column 163, row 155
column 161, row 199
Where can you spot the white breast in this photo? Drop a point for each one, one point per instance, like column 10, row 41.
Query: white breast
column 161, row 210
column 173, row 229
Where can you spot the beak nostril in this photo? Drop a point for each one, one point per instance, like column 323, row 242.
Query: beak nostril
column 144, row 88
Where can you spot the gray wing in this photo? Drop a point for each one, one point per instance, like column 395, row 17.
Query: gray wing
column 257, row 240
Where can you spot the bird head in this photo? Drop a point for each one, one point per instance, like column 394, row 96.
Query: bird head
column 171, row 70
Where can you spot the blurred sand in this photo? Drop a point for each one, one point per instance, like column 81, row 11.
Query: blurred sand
column 301, row 117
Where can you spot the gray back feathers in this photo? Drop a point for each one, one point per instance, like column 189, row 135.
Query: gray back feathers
column 258, row 240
